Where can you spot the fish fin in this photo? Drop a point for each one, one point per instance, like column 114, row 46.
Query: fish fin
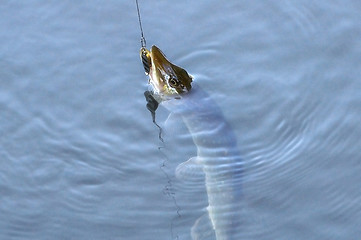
column 203, row 229
column 190, row 170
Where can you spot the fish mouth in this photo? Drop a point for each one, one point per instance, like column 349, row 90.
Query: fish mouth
column 165, row 77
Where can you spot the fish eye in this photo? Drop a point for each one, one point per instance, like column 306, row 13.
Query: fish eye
column 173, row 82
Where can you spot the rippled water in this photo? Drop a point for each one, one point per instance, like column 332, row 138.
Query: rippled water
column 81, row 159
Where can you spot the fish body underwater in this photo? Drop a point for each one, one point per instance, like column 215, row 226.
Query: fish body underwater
column 217, row 151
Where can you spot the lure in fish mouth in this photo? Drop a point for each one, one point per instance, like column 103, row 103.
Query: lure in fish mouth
column 166, row 78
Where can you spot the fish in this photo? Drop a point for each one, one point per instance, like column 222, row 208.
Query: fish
column 218, row 156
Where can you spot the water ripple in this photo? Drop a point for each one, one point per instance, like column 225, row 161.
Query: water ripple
column 303, row 16
column 285, row 139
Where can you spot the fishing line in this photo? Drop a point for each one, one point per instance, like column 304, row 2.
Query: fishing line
column 168, row 188
column 168, row 191
column 152, row 105
column 142, row 38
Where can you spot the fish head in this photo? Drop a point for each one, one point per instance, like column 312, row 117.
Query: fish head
column 165, row 77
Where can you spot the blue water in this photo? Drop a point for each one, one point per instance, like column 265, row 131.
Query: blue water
column 80, row 156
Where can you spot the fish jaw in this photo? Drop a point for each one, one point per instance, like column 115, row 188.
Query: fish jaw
column 165, row 78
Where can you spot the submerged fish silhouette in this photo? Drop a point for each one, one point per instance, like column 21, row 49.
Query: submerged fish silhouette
column 217, row 152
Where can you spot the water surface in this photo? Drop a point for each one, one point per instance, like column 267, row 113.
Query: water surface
column 79, row 153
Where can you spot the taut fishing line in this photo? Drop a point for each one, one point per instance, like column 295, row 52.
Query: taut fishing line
column 142, row 38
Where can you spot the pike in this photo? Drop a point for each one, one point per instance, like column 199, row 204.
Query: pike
column 218, row 157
